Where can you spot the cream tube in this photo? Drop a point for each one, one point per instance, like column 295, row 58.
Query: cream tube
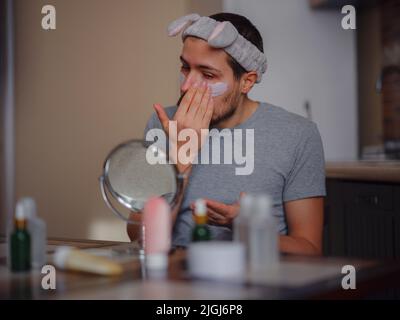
column 68, row 258
column 157, row 231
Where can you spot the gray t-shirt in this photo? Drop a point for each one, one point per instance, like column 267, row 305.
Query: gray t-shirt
column 288, row 165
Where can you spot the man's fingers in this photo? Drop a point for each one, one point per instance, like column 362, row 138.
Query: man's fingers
column 216, row 206
column 212, row 216
column 209, row 112
column 202, row 109
column 215, row 217
column 194, row 106
column 187, row 100
column 210, row 212
column 162, row 116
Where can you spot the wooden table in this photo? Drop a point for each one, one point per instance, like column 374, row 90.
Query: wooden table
column 296, row 278
column 364, row 170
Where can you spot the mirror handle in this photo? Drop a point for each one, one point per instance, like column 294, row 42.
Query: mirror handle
column 181, row 177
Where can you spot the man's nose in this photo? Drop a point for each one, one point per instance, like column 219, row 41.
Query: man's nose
column 188, row 82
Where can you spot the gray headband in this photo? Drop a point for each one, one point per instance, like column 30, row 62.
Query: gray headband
column 221, row 35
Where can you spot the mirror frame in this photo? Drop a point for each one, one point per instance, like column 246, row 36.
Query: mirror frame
column 105, row 184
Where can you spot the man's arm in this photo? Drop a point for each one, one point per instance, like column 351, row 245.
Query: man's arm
column 194, row 112
column 304, row 218
column 305, row 223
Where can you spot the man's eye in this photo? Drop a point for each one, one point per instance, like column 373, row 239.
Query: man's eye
column 208, row 75
column 184, row 67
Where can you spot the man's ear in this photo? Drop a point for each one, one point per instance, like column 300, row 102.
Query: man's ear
column 248, row 81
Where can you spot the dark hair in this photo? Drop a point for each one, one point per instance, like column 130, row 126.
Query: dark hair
column 247, row 30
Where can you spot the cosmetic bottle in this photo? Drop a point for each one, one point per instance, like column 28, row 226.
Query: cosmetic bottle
column 20, row 242
column 241, row 224
column 157, row 234
column 201, row 231
column 37, row 231
column 263, row 235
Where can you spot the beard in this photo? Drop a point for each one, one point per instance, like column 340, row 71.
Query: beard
column 229, row 103
column 228, row 107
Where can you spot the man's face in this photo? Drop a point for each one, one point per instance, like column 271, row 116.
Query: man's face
column 201, row 62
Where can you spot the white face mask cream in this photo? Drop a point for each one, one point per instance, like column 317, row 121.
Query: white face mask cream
column 217, row 89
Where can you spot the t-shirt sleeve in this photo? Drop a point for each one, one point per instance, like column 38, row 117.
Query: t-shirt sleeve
column 152, row 123
column 307, row 176
column 154, row 134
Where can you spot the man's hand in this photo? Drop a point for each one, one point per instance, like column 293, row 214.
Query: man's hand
column 304, row 218
column 194, row 112
column 134, row 230
column 219, row 213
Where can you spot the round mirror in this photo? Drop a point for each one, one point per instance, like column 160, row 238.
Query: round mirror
column 131, row 175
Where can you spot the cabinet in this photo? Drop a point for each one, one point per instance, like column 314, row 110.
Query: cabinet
column 362, row 219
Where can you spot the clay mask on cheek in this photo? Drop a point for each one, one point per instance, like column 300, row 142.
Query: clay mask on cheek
column 217, row 89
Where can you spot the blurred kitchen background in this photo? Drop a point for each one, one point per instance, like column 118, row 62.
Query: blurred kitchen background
column 69, row 95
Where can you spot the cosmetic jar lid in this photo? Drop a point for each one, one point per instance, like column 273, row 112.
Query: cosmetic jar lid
column 218, row 260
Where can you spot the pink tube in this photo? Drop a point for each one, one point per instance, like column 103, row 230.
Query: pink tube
column 157, row 233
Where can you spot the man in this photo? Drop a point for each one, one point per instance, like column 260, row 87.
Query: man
column 288, row 153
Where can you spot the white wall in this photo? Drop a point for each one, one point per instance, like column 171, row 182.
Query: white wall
column 81, row 90
column 310, row 58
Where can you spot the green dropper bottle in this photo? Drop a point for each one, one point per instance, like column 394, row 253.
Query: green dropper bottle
column 20, row 242
column 201, row 231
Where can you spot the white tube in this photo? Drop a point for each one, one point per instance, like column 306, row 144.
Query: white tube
column 68, row 258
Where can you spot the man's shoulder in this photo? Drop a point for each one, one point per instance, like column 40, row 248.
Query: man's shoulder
column 285, row 120
column 171, row 111
column 154, row 122
column 278, row 113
